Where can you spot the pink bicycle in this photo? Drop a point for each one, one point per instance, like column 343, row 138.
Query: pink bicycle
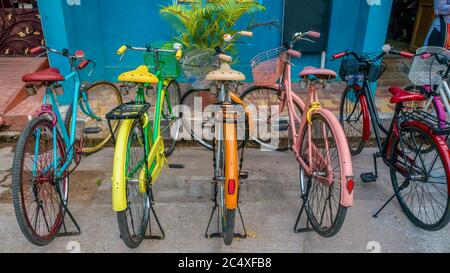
column 314, row 134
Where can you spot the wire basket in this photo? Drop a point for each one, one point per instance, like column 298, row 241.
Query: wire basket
column 267, row 67
column 196, row 64
column 168, row 63
column 353, row 70
column 427, row 70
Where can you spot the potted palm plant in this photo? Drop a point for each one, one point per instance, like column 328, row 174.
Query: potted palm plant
column 202, row 25
column 200, row 28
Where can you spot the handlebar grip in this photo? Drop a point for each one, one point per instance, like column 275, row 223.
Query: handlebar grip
column 121, row 50
column 225, row 58
column 83, row 64
column 179, row 54
column 313, row 34
column 339, row 55
column 407, row 54
column 246, row 33
column 36, row 50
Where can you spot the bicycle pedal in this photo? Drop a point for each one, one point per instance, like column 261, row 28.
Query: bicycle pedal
column 369, row 177
column 283, row 126
column 92, row 130
column 176, row 166
column 243, row 175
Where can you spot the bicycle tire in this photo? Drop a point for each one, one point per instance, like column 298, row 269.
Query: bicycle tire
column 312, row 212
column 247, row 98
column 135, row 239
column 105, row 134
column 187, row 121
column 18, row 192
column 228, row 222
column 170, row 142
column 439, row 146
column 356, row 143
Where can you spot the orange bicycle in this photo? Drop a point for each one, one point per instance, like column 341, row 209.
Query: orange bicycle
column 227, row 162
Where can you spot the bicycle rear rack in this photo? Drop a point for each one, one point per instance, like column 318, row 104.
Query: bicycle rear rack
column 439, row 127
column 129, row 110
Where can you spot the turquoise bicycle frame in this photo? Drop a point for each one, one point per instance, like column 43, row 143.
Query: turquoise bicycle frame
column 69, row 140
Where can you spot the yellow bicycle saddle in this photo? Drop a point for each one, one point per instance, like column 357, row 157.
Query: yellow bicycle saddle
column 140, row 75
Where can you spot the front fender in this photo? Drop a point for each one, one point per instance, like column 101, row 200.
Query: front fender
column 119, row 198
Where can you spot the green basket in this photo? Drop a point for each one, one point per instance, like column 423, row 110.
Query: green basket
column 169, row 65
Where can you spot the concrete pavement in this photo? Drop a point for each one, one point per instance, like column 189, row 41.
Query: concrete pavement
column 270, row 203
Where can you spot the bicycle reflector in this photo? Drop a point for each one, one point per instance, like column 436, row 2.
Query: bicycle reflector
column 231, row 186
column 350, row 184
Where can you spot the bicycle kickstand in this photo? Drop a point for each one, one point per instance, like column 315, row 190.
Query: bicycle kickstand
column 305, row 229
column 151, row 236
column 219, row 234
column 66, row 210
column 402, row 187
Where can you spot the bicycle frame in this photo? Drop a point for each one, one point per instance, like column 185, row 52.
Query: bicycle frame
column 58, row 123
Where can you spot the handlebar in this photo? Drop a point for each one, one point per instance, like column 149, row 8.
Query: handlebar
column 177, row 50
column 220, row 52
column 79, row 55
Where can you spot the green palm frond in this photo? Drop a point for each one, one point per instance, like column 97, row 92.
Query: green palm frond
column 201, row 25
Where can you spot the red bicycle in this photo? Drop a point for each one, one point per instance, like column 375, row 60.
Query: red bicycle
column 415, row 147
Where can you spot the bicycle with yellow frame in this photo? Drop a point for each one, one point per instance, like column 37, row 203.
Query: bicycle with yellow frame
column 140, row 153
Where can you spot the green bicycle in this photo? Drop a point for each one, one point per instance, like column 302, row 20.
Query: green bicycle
column 141, row 146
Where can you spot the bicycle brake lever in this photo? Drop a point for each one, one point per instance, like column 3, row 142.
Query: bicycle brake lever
column 121, row 57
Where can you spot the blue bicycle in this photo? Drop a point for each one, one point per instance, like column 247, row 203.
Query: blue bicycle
column 50, row 148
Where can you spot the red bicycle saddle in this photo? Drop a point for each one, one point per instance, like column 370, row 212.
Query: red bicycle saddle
column 47, row 75
column 400, row 95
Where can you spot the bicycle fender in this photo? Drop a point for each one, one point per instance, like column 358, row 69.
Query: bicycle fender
column 439, row 140
column 366, row 118
column 119, row 198
column 346, row 159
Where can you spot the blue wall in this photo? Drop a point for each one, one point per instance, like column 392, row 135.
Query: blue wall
column 99, row 27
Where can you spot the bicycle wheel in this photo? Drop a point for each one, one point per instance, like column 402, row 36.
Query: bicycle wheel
column 419, row 179
column 197, row 103
column 134, row 219
column 37, row 204
column 321, row 189
column 270, row 125
column 351, row 118
column 170, row 117
column 102, row 97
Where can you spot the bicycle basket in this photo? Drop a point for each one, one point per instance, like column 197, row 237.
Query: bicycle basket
column 196, row 64
column 168, row 63
column 353, row 70
column 426, row 71
column 267, row 67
